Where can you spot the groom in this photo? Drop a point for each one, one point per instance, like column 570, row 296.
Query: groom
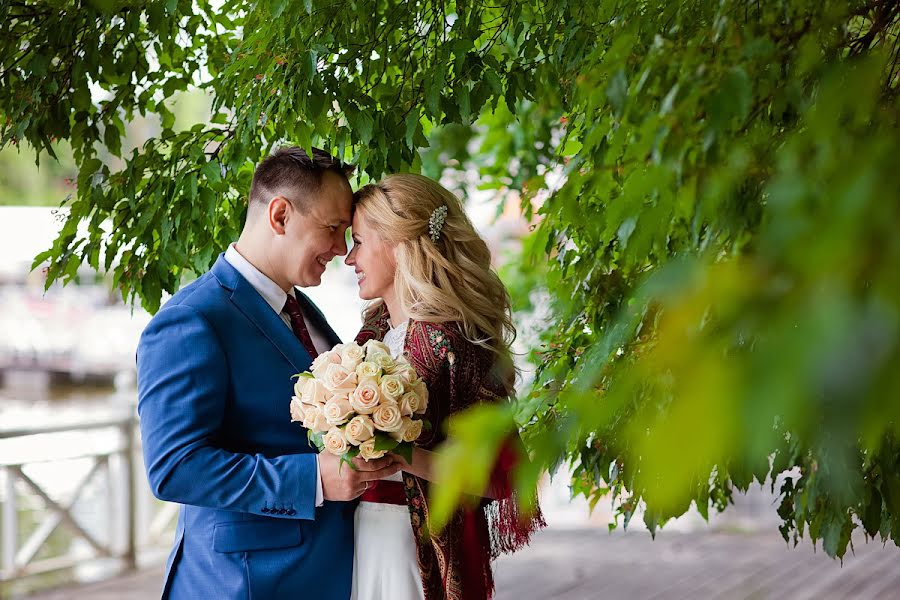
column 263, row 515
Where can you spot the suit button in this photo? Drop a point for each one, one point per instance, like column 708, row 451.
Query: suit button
column 282, row 511
column 265, row 510
column 291, row 512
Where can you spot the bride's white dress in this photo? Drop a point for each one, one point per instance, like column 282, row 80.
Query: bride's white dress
column 385, row 566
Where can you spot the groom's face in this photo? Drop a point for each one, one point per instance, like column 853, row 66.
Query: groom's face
column 312, row 238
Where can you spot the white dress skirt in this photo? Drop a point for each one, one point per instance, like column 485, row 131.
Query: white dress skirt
column 385, row 565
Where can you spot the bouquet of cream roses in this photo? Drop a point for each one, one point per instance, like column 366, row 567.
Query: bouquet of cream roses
column 358, row 401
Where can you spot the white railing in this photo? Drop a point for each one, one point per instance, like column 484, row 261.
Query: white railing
column 96, row 493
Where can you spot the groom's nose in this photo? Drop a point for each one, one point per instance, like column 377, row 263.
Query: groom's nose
column 340, row 247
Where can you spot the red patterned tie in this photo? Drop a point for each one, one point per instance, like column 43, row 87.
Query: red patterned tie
column 292, row 308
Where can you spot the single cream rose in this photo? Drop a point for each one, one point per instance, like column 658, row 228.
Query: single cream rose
column 321, row 362
column 342, row 395
column 339, row 379
column 409, row 430
column 297, row 410
column 392, row 387
column 407, row 373
column 322, row 359
column 335, row 442
column 384, row 361
column 375, row 347
column 387, row 417
column 314, row 393
column 409, row 404
column 301, row 385
column 314, row 419
column 368, row 369
column 321, row 424
column 366, row 397
column 359, row 429
column 421, row 390
column 413, row 430
column 398, row 433
column 368, row 452
column 337, row 410
column 397, row 365
column 351, row 355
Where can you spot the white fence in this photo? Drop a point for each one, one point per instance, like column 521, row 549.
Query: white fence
column 74, row 497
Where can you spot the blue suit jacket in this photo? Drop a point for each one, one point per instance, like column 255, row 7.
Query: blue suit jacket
column 214, row 391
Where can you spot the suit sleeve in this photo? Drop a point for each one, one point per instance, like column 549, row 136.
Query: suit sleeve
column 182, row 394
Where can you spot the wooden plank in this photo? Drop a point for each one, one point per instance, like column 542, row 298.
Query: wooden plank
column 582, row 564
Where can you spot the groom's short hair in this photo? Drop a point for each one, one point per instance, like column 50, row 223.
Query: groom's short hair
column 290, row 172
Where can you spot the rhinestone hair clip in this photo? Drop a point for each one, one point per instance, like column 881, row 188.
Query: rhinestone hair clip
column 436, row 222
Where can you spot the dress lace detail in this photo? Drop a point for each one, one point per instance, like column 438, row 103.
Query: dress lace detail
column 395, row 338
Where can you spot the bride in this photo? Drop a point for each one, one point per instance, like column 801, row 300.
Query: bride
column 435, row 300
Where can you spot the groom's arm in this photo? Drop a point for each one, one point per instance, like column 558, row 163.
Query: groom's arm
column 182, row 391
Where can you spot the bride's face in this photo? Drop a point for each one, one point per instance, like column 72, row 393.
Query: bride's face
column 373, row 259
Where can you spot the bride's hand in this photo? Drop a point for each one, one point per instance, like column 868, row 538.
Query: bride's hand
column 498, row 487
column 421, row 463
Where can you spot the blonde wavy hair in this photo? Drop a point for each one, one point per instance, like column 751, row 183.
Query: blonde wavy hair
column 448, row 280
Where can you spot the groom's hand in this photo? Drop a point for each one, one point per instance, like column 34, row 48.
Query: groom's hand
column 343, row 483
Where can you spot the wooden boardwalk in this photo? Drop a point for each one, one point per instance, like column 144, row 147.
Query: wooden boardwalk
column 588, row 563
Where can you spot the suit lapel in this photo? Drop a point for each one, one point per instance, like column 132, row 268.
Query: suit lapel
column 245, row 297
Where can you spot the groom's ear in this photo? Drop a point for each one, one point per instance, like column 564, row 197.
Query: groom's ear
column 278, row 214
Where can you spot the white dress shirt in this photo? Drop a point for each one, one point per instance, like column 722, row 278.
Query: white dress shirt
column 275, row 297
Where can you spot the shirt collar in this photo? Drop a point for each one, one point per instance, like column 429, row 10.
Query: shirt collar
column 270, row 291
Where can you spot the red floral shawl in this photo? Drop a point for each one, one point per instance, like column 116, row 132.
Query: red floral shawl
column 456, row 563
